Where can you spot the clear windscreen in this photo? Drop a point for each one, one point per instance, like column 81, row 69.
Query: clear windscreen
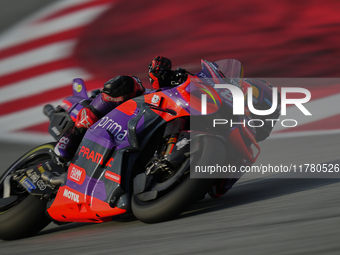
column 231, row 68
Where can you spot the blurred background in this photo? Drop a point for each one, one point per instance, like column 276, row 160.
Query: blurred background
column 44, row 44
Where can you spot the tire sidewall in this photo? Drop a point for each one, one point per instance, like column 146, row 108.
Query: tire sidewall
column 185, row 194
column 28, row 217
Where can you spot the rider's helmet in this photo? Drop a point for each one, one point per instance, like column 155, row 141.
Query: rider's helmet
column 160, row 72
column 122, row 88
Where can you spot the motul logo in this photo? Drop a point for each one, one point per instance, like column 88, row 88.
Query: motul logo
column 76, row 174
column 70, row 195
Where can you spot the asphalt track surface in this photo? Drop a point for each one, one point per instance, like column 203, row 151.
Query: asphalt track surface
column 258, row 216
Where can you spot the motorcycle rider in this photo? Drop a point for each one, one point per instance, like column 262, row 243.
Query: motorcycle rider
column 116, row 91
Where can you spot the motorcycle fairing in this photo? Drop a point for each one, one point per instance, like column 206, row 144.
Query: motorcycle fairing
column 94, row 173
column 72, row 105
column 210, row 70
column 168, row 101
column 72, row 206
column 79, row 88
column 84, row 197
column 239, row 137
column 74, row 110
column 102, row 155
column 93, row 190
column 79, row 93
column 226, row 71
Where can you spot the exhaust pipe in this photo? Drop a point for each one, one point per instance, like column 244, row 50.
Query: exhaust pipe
column 53, row 179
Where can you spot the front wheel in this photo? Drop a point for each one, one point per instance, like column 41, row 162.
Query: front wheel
column 187, row 191
column 22, row 215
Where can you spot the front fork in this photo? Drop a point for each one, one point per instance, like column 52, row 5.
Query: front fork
column 173, row 130
column 170, row 145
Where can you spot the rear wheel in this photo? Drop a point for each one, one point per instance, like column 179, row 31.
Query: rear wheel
column 177, row 192
column 22, row 215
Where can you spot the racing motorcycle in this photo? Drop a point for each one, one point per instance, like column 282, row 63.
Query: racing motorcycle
column 135, row 159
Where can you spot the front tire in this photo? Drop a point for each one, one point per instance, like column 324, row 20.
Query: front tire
column 187, row 192
column 26, row 216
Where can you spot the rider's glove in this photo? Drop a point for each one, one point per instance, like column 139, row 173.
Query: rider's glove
column 160, row 72
column 181, row 76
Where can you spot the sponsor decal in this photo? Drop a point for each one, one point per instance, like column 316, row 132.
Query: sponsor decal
column 236, row 81
column 41, row 185
column 155, row 99
column 204, row 76
column 62, row 144
column 48, row 166
column 28, row 185
column 41, row 169
column 76, row 174
column 112, row 99
column 211, row 71
column 182, row 143
column 95, row 157
column 33, row 175
column 55, row 130
column 113, row 127
column 112, row 176
column 209, row 93
column 71, row 195
column 109, row 162
column 89, row 154
column 77, row 87
column 75, row 111
column 65, row 105
column 138, row 81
